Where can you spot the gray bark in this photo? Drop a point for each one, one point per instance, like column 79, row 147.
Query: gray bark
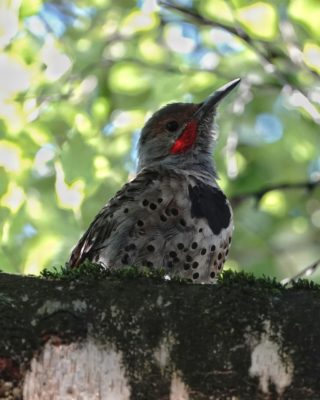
column 146, row 339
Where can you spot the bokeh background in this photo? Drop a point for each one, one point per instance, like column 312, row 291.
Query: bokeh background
column 79, row 78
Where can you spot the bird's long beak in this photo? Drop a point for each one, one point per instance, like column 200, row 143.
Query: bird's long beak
column 209, row 104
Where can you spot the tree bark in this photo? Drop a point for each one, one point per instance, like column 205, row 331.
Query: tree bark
column 144, row 339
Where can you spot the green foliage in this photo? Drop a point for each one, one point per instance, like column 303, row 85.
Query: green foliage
column 77, row 80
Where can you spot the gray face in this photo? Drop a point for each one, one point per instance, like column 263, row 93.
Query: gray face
column 166, row 126
column 181, row 134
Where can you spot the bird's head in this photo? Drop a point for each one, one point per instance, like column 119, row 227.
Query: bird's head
column 181, row 134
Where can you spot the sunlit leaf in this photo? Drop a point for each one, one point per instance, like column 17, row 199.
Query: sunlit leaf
column 39, row 133
column 14, row 76
column 13, row 198
column 139, row 21
column 302, row 151
column 217, row 10
column 177, row 41
column 70, row 196
column 260, row 19
column 128, row 78
column 57, row 63
column 307, row 12
column 311, row 52
column 151, row 50
column 201, row 81
column 100, row 109
column 274, row 203
column 4, row 180
column 128, row 120
column 10, row 156
column 30, row 7
column 83, row 124
column 8, row 24
column 102, row 167
column 41, row 253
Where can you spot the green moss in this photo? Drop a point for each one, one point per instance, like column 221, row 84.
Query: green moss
column 84, row 271
column 230, row 279
column 305, row 284
column 90, row 271
column 236, row 279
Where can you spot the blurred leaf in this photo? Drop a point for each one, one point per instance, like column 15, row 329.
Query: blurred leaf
column 201, row 81
column 30, row 7
column 259, row 19
column 311, row 53
column 4, row 180
column 151, row 51
column 10, row 156
column 307, row 12
column 100, row 109
column 128, row 78
column 13, row 198
column 40, row 253
column 77, row 159
column 217, row 10
column 139, row 21
column 274, row 202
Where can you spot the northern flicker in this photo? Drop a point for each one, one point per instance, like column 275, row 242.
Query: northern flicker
column 172, row 215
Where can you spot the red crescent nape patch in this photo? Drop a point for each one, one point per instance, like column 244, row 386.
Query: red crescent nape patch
column 187, row 138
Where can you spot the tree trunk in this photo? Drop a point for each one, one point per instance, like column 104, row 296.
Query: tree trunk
column 124, row 339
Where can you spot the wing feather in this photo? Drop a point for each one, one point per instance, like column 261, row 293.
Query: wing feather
column 94, row 239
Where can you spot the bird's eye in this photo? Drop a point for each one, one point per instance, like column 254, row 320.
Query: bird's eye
column 172, row 126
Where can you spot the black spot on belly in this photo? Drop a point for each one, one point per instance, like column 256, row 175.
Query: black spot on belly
column 130, row 247
column 210, row 203
column 125, row 259
column 149, row 264
column 153, row 206
column 163, row 218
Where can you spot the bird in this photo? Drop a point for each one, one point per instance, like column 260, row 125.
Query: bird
column 173, row 215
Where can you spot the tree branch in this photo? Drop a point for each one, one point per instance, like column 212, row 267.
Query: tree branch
column 95, row 337
column 205, row 21
column 309, row 270
column 258, row 194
